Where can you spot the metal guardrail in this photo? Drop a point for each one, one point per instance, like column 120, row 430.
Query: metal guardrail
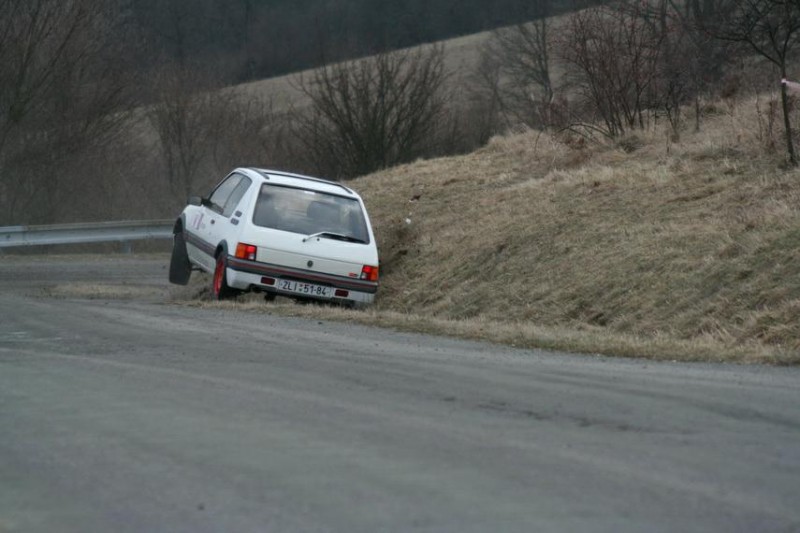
column 125, row 231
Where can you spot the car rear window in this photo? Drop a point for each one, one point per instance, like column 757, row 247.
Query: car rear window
column 307, row 212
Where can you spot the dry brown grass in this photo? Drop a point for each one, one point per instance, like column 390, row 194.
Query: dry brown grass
column 104, row 291
column 679, row 251
column 687, row 246
column 588, row 339
column 683, row 251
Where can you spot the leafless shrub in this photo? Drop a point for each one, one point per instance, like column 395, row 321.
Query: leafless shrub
column 513, row 78
column 464, row 125
column 691, row 62
column 372, row 113
column 629, row 62
column 485, row 98
column 612, row 56
column 771, row 28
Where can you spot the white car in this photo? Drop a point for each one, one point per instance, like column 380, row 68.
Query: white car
column 281, row 234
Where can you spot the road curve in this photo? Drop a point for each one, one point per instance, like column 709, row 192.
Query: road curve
column 137, row 415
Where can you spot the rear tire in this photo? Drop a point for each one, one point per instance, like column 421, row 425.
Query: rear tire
column 180, row 269
column 219, row 283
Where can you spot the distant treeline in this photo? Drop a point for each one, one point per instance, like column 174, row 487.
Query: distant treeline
column 251, row 39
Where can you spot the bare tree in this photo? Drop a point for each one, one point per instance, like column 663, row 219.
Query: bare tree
column 514, row 73
column 613, row 57
column 772, row 29
column 62, row 86
column 36, row 38
column 677, row 75
column 486, row 98
column 372, row 113
column 705, row 57
column 203, row 131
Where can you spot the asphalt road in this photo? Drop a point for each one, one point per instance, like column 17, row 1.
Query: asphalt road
column 137, row 415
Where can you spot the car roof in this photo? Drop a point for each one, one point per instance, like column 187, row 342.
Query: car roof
column 289, row 178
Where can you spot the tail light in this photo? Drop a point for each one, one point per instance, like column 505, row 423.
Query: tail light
column 246, row 251
column 369, row 273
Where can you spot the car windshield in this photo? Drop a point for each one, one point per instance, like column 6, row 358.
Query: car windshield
column 310, row 212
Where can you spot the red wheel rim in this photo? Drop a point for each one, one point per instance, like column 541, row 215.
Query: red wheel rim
column 218, row 273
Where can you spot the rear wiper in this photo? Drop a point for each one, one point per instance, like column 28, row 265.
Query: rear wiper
column 332, row 235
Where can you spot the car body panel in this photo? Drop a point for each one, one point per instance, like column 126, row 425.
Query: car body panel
column 326, row 255
column 323, row 260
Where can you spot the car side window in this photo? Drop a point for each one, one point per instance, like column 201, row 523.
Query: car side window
column 223, row 191
column 236, row 196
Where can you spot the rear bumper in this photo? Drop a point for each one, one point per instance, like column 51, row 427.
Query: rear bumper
column 245, row 275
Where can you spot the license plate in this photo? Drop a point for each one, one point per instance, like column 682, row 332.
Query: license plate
column 307, row 289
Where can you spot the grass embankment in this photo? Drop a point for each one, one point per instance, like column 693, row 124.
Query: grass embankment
column 684, row 250
column 687, row 250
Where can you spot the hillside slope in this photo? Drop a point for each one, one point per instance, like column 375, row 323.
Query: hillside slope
column 690, row 247
column 461, row 55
